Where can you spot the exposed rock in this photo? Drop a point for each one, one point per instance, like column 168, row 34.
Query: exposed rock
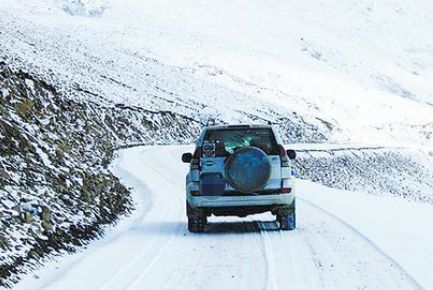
column 378, row 171
column 46, row 226
column 27, row 217
column 45, row 214
column 54, row 156
column 4, row 175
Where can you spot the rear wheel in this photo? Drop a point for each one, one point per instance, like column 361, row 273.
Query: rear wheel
column 197, row 220
column 287, row 221
column 196, row 225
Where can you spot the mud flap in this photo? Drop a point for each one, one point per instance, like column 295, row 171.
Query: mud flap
column 194, row 212
column 283, row 210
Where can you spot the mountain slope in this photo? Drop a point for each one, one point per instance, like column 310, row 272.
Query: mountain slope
column 353, row 71
column 56, row 189
column 113, row 73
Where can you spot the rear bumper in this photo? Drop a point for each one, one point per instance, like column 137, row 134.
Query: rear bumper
column 236, row 201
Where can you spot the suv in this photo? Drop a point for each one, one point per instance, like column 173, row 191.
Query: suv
column 239, row 170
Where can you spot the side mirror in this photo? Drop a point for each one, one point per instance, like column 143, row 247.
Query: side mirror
column 186, row 157
column 291, row 154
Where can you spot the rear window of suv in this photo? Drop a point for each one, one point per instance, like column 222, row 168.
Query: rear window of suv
column 223, row 142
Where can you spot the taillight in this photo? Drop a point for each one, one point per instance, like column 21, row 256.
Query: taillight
column 283, row 152
column 195, row 162
column 286, row 190
column 286, row 186
column 195, row 193
column 197, row 153
column 283, row 155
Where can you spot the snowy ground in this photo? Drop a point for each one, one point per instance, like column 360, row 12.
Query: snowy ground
column 344, row 240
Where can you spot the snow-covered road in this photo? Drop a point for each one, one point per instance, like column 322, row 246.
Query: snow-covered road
column 152, row 249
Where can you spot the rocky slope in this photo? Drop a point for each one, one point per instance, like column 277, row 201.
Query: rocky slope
column 402, row 172
column 56, row 191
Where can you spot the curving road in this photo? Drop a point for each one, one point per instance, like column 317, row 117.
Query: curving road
column 153, row 249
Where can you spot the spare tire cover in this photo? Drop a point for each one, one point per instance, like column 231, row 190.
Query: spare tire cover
column 248, row 169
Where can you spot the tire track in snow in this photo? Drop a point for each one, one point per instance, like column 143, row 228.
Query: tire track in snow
column 136, row 283
column 271, row 283
column 162, row 248
column 137, row 260
column 141, row 196
column 365, row 239
column 281, row 257
column 327, row 256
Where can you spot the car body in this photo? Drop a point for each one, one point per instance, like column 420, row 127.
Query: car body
column 240, row 170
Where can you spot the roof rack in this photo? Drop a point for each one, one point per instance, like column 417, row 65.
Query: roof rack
column 238, row 126
column 241, row 126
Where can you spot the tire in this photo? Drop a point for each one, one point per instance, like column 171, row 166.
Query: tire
column 196, row 219
column 248, row 169
column 196, row 225
column 287, row 221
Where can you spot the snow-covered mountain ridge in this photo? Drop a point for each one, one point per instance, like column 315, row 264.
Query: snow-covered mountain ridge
column 362, row 68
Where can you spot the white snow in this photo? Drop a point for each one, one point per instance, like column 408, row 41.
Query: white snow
column 44, row 157
column 344, row 240
column 84, row 7
column 7, row 203
column 30, row 84
column 5, row 92
column 400, row 228
column 364, row 66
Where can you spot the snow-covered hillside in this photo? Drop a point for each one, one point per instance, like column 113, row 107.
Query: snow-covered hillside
column 56, row 191
column 355, row 71
column 80, row 78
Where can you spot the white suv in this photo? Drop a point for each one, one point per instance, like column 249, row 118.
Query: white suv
column 239, row 170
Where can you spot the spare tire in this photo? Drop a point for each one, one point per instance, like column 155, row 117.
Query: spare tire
column 248, row 169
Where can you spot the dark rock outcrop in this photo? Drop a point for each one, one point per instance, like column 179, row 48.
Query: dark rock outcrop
column 56, row 191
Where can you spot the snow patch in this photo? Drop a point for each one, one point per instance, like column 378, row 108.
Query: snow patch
column 44, row 157
column 90, row 8
column 30, row 84
column 4, row 92
column 7, row 203
column 394, row 87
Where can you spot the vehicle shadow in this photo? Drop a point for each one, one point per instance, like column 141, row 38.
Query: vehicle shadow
column 181, row 228
column 241, row 227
